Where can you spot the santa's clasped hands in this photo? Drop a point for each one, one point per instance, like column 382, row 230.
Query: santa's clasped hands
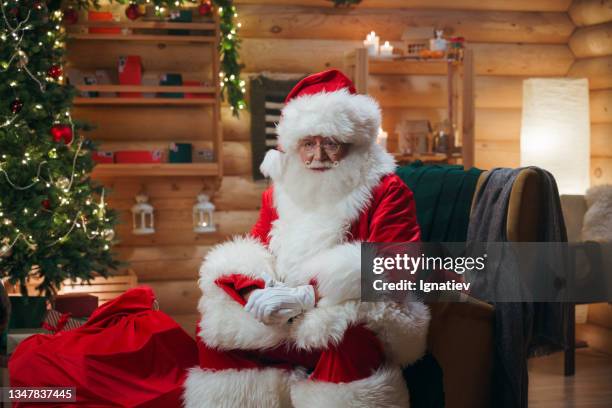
column 277, row 303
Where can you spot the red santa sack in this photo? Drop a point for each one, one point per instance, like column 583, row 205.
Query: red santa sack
column 126, row 355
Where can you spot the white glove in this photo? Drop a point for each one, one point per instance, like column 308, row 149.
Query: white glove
column 278, row 304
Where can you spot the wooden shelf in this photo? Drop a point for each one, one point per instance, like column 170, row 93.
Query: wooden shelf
column 404, row 66
column 459, row 90
column 147, row 88
column 154, row 102
column 146, row 37
column 155, row 169
column 158, row 25
column 144, row 101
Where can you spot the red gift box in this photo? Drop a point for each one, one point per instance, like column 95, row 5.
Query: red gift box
column 103, row 157
column 102, row 16
column 130, row 73
column 196, row 95
column 138, row 156
column 77, row 304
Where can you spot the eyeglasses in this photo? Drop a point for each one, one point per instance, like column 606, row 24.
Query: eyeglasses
column 330, row 146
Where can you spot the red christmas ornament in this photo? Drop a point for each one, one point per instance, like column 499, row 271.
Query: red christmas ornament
column 61, row 132
column 55, row 71
column 205, row 8
column 16, row 106
column 14, row 11
column 70, row 16
column 46, row 203
column 132, row 12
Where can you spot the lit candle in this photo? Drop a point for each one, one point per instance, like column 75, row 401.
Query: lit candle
column 371, row 43
column 386, row 50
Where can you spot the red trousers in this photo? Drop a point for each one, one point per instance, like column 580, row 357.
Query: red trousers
column 357, row 356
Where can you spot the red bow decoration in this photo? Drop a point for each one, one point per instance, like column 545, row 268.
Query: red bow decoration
column 56, row 322
column 62, row 132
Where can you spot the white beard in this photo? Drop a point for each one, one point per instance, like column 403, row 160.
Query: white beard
column 316, row 209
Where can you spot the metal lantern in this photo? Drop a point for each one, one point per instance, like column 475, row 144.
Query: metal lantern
column 142, row 216
column 203, row 215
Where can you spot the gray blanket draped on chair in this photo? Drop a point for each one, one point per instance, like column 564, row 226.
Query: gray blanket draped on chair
column 521, row 329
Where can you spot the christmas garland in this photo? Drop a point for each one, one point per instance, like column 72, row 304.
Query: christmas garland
column 233, row 88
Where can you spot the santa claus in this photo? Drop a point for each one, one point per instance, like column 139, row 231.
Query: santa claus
column 282, row 324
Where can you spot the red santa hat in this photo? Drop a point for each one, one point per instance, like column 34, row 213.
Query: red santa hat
column 327, row 104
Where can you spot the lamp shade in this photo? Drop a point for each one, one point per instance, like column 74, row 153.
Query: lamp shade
column 555, row 130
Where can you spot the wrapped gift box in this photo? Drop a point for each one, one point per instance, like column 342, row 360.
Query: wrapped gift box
column 130, row 73
column 171, row 80
column 196, row 95
column 102, row 157
column 203, row 155
column 138, row 156
column 77, row 304
column 102, row 16
column 179, row 153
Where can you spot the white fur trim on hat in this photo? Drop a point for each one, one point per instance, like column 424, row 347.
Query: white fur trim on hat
column 349, row 118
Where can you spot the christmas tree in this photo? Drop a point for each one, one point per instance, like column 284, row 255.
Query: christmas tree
column 54, row 222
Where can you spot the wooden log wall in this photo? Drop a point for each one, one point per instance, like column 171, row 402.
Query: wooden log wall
column 591, row 44
column 512, row 40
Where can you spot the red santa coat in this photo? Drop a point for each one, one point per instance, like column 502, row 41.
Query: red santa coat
column 389, row 215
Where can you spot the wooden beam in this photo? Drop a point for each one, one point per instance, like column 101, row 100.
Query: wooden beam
column 593, row 41
column 235, row 194
column 590, row 12
column 239, row 193
column 468, row 111
column 176, row 297
column 429, row 91
column 174, row 227
column 497, row 154
column 236, row 129
column 598, row 71
column 520, row 5
column 296, row 22
column 601, row 139
column 601, row 106
column 171, row 124
column 305, row 56
column 167, row 270
column 165, row 253
column 601, row 170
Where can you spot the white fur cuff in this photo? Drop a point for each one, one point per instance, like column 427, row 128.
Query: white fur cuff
column 242, row 255
column 384, row 389
column 237, row 389
column 338, row 274
column 224, row 323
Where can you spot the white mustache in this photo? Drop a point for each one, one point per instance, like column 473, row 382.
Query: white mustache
column 317, row 164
